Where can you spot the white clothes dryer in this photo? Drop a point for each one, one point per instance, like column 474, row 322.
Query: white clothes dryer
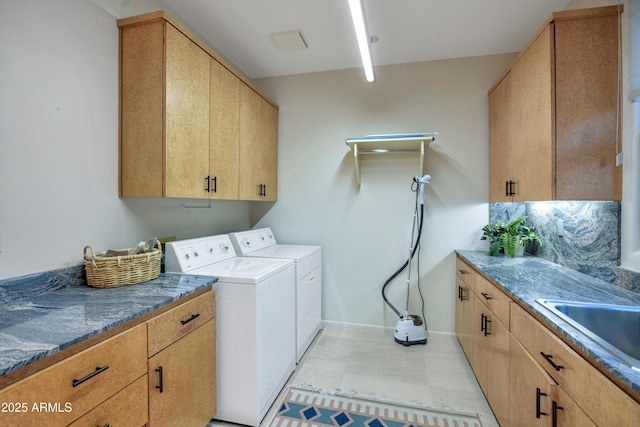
column 308, row 264
column 255, row 323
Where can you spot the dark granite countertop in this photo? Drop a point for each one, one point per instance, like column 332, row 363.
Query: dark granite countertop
column 43, row 314
column 526, row 279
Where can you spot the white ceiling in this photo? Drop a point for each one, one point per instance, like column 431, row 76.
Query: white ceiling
column 408, row 30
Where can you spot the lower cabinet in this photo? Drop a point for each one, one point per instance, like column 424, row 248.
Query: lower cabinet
column 490, row 348
column 67, row 390
column 529, row 376
column 532, row 389
column 182, row 388
column 161, row 372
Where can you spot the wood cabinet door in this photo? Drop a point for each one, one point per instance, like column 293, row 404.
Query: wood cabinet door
column 141, row 110
column 182, row 380
column 464, row 315
column 532, row 120
column 269, row 126
column 500, row 151
column 250, row 144
column 498, row 370
column 187, row 116
column 531, row 389
column 258, row 147
column 224, row 137
column 480, row 343
column 586, row 106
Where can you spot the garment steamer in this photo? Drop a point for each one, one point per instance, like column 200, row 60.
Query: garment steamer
column 410, row 329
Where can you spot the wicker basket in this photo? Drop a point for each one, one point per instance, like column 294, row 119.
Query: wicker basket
column 111, row 272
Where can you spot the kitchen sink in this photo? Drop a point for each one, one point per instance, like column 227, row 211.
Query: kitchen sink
column 616, row 328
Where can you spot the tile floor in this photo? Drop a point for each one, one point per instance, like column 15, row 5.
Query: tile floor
column 367, row 361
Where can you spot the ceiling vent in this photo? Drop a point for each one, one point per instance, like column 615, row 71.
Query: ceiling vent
column 289, row 40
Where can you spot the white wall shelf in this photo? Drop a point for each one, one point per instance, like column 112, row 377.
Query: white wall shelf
column 394, row 143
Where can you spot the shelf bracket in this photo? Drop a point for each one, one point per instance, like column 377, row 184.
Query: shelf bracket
column 396, row 143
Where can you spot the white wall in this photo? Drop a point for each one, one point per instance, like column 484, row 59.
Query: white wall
column 59, row 144
column 365, row 230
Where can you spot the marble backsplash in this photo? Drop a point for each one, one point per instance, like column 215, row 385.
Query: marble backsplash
column 591, row 240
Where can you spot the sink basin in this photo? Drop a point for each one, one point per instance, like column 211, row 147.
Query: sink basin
column 616, row 328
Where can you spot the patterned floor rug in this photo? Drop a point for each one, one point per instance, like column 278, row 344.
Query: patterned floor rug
column 316, row 408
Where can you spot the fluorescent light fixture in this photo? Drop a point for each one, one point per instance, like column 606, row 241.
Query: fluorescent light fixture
column 357, row 14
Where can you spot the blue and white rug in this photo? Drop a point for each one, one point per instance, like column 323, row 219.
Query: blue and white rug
column 317, row 408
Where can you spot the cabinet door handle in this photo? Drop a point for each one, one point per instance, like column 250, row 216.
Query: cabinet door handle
column 160, row 386
column 206, row 180
column 99, row 370
column 215, row 184
column 506, row 189
column 483, row 323
column 460, row 292
column 548, row 358
column 554, row 413
column 486, row 326
column 539, row 394
column 193, row 317
column 462, row 271
column 485, row 295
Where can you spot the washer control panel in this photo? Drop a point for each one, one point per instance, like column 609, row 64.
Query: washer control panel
column 248, row 241
column 183, row 256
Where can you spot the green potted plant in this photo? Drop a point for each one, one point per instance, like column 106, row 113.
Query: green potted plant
column 509, row 237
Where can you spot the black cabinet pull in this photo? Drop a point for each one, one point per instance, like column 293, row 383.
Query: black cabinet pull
column 485, row 295
column 539, row 394
column 206, row 180
column 160, row 386
column 486, row 326
column 262, row 190
column 554, row 413
column 193, row 317
column 460, row 293
column 215, row 184
column 508, row 189
column 548, row 358
column 76, row 383
column 482, row 324
column 463, row 271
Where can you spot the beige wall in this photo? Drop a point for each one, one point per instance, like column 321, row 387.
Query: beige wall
column 365, row 230
column 59, row 144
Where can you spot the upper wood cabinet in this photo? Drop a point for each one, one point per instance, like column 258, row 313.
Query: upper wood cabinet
column 259, row 148
column 184, row 130
column 553, row 121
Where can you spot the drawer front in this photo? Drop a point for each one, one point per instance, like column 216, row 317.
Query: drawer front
column 600, row 398
column 465, row 272
column 169, row 327
column 495, row 299
column 308, row 264
column 128, row 408
column 69, row 389
column 308, row 294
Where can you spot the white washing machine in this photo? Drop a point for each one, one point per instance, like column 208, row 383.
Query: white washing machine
column 308, row 262
column 255, row 323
